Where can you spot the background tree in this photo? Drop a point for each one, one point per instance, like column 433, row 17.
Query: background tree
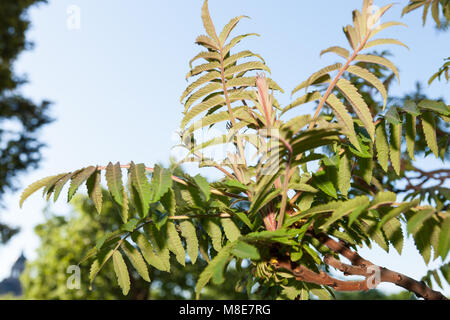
column 20, row 118
column 311, row 191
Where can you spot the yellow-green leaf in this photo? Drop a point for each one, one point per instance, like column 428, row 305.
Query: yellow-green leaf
column 38, row 185
column 120, row 268
column 136, row 259
column 344, row 119
column 429, row 130
column 359, row 105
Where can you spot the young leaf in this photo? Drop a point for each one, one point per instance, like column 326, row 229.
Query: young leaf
column 370, row 78
column 244, row 67
column 302, row 187
column 308, row 97
column 125, row 207
column 378, row 60
column 344, row 53
column 228, row 28
column 344, row 119
column 378, row 42
column 207, row 22
column 383, row 198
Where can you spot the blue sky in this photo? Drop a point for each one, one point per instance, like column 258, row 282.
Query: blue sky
column 116, row 82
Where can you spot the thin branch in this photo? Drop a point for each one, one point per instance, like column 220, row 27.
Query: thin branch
column 284, row 194
column 230, row 110
column 335, row 80
column 304, row 274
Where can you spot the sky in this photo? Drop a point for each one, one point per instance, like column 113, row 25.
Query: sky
column 115, row 83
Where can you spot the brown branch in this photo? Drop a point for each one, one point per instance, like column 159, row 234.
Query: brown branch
column 363, row 267
column 304, row 274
